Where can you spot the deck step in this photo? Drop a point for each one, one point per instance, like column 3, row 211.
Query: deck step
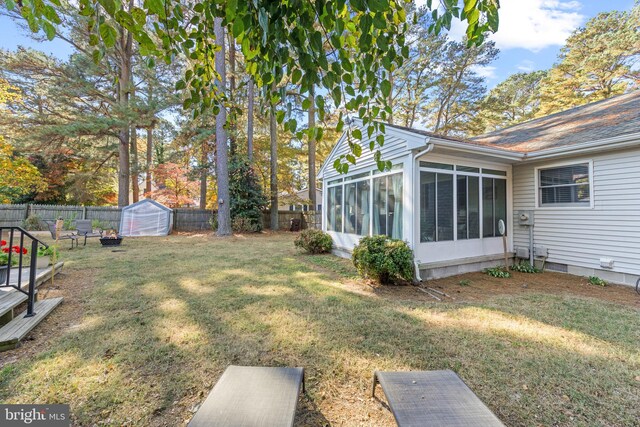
column 10, row 300
column 20, row 326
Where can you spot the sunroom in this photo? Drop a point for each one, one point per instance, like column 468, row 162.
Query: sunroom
column 444, row 197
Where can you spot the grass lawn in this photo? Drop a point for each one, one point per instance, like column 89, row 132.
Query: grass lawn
column 144, row 334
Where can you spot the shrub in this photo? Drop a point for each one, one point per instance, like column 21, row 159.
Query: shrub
column 525, row 267
column 499, row 272
column 389, row 261
column 245, row 225
column 595, row 280
column 314, row 241
column 33, row 223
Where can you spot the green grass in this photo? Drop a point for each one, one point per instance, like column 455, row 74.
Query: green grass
column 162, row 320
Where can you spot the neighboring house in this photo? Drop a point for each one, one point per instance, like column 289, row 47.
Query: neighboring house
column 299, row 201
column 566, row 185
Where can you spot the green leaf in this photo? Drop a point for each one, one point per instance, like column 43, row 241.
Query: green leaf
column 385, row 87
column 181, row 84
column 109, row 6
column 230, row 10
column 108, row 34
column 49, row 30
column 379, row 5
column 356, row 133
column 296, row 76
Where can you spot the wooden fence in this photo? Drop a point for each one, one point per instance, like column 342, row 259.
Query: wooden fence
column 184, row 219
column 188, row 219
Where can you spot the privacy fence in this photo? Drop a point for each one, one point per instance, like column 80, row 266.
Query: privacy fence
column 184, row 219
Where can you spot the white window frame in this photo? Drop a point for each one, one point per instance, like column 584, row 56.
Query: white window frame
column 563, row 206
column 481, row 174
column 371, row 175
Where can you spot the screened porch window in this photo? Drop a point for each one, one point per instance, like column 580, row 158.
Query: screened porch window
column 436, row 207
column 468, row 208
column 463, row 204
column 387, row 206
column 356, row 208
column 564, row 186
column 494, row 205
column 334, row 213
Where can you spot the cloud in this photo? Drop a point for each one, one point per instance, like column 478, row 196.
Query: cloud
column 531, row 24
column 488, row 72
column 526, row 65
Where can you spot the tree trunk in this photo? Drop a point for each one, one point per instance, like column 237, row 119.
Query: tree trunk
column 311, row 185
column 390, row 99
column 147, row 188
column 233, row 131
column 204, row 173
column 222, row 160
column 250, row 122
column 273, row 129
column 124, row 82
column 135, row 185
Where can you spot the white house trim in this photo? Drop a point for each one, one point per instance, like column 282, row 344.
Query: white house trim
column 536, row 180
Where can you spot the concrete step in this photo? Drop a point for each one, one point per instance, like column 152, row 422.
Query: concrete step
column 20, row 326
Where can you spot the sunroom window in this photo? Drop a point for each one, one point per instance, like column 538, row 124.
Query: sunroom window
column 494, row 205
column 461, row 203
column 334, row 213
column 387, row 206
column 356, row 208
column 564, row 186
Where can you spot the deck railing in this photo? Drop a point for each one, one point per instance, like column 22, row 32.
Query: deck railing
column 13, row 239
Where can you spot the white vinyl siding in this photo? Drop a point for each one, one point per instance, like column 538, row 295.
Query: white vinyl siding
column 579, row 236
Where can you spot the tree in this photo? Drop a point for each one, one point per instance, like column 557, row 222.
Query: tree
column 247, row 198
column 175, row 188
column 459, row 90
column 222, row 172
column 513, row 101
column 598, row 61
column 19, row 178
column 280, row 39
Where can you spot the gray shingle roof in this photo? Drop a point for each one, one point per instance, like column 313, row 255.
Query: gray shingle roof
column 611, row 117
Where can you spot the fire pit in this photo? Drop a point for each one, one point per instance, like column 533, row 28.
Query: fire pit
column 111, row 239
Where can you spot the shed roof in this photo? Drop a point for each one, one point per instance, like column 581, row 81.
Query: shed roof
column 608, row 118
column 147, row 201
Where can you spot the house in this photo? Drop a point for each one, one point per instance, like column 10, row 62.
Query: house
column 299, row 201
column 567, row 187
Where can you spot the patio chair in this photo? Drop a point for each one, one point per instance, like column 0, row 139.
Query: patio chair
column 84, row 228
column 433, row 398
column 252, row 396
column 52, row 229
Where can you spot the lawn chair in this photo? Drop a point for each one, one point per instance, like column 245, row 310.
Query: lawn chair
column 252, row 396
column 433, row 398
column 84, row 228
column 52, row 229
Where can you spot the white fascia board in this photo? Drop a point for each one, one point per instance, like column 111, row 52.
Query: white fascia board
column 470, row 148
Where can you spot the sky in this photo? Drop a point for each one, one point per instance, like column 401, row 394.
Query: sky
column 530, row 36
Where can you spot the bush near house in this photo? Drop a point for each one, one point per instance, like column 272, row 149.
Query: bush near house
column 314, row 241
column 389, row 261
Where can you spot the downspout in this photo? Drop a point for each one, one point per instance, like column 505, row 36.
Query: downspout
column 416, row 262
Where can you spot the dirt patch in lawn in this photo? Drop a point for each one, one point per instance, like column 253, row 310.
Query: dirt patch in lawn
column 480, row 286
column 69, row 284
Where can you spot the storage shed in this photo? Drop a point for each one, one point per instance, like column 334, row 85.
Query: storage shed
column 146, row 218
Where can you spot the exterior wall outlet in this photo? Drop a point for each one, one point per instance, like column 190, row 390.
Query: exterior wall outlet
column 522, row 253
